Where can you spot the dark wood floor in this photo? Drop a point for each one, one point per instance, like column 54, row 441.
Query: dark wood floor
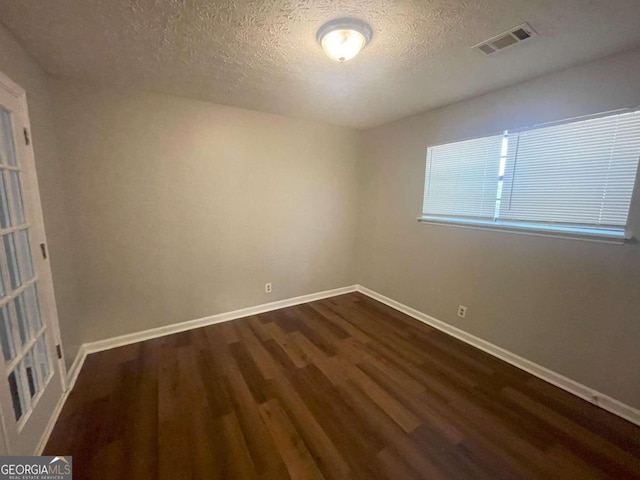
column 340, row 388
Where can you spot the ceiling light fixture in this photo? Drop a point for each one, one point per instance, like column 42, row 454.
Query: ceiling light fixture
column 343, row 38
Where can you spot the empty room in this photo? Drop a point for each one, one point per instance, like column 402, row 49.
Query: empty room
column 320, row 239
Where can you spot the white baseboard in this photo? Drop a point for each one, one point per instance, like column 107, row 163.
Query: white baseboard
column 76, row 366
column 136, row 337
column 589, row 394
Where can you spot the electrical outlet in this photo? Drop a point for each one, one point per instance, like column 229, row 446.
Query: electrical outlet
column 462, row 311
column 267, row 287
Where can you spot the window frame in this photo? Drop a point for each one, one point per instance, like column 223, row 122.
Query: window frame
column 564, row 231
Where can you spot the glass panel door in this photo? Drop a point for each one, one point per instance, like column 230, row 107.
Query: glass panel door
column 28, row 393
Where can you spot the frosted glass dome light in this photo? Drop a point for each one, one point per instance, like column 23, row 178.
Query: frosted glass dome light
column 343, row 38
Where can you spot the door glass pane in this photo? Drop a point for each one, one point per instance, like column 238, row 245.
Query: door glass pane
column 43, row 359
column 12, row 261
column 33, row 309
column 24, row 255
column 17, row 198
column 31, row 372
column 7, row 150
column 6, row 335
column 4, row 205
column 17, row 395
column 23, row 321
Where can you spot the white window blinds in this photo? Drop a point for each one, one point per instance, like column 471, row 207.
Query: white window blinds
column 462, row 178
column 580, row 173
column 576, row 174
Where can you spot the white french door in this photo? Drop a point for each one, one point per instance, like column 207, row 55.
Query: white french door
column 31, row 373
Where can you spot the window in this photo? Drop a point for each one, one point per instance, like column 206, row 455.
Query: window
column 572, row 178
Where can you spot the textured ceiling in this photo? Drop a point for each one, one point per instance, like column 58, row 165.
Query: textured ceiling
column 262, row 54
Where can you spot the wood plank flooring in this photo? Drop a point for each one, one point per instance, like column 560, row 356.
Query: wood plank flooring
column 343, row 388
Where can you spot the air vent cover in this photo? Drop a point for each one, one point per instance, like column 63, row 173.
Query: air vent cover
column 506, row 39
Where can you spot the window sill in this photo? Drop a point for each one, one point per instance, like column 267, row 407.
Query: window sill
column 557, row 231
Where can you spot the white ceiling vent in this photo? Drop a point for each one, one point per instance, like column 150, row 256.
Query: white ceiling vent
column 506, row 39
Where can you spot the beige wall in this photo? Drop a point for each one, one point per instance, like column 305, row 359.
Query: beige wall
column 184, row 209
column 22, row 69
column 568, row 305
